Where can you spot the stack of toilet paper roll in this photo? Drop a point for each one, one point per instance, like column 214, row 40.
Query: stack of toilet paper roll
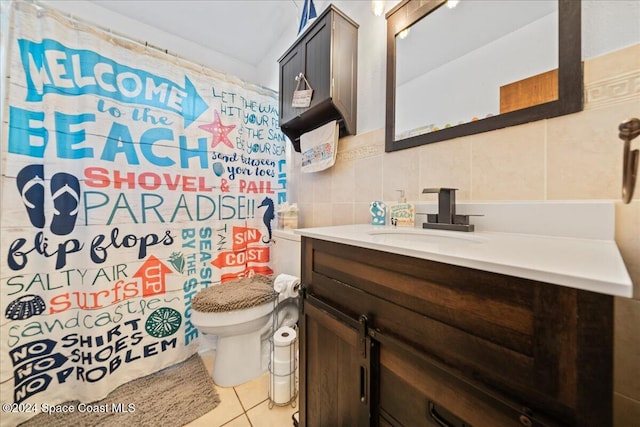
column 283, row 381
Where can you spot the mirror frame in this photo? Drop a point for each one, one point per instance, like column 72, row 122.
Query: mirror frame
column 570, row 76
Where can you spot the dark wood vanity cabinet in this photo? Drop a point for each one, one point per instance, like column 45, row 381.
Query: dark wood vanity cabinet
column 392, row 340
column 326, row 53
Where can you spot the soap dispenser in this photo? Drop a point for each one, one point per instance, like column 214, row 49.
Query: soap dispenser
column 401, row 214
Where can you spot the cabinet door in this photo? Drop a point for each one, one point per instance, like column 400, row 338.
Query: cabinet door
column 316, row 47
column 290, row 67
column 334, row 376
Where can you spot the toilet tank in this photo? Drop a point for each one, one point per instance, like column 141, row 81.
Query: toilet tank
column 285, row 253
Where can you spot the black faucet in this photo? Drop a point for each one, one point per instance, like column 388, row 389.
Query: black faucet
column 446, row 218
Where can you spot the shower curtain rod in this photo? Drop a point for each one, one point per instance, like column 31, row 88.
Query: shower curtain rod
column 92, row 27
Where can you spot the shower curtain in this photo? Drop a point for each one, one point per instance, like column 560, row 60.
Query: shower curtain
column 131, row 180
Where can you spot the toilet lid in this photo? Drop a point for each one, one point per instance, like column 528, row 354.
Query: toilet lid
column 235, row 295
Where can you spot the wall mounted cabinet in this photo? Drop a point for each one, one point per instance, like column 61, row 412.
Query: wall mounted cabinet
column 392, row 340
column 326, row 54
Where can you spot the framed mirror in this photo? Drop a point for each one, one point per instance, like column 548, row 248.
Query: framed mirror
column 479, row 66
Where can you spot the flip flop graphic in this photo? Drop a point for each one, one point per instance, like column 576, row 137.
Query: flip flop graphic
column 30, row 182
column 65, row 191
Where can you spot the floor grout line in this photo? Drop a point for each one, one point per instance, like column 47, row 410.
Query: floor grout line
column 257, row 404
column 244, row 410
column 233, row 419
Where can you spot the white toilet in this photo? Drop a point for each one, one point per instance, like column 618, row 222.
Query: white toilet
column 242, row 350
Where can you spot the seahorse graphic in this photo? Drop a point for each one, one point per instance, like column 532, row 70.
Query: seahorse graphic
column 269, row 215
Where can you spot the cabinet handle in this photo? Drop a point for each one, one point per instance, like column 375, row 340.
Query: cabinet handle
column 363, row 385
column 440, row 420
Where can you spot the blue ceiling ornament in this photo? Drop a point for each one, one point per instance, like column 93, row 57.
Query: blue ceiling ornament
column 308, row 13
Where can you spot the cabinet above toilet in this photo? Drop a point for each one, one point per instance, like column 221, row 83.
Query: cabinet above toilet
column 326, row 54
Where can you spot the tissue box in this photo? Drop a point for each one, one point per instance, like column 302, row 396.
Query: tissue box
column 288, row 219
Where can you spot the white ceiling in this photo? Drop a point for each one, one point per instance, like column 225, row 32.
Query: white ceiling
column 241, row 29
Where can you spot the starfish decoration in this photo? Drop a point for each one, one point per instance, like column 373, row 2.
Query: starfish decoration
column 219, row 131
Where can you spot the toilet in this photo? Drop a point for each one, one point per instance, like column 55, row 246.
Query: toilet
column 242, row 349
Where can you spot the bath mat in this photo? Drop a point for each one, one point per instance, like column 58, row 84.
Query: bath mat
column 171, row 397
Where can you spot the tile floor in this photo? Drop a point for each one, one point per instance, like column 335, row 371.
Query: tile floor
column 246, row 405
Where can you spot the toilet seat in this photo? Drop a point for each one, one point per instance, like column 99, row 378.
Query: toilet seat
column 235, row 295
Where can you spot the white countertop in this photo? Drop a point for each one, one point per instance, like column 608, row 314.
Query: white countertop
column 581, row 263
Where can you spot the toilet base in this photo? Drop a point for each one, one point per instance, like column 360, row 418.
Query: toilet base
column 238, row 359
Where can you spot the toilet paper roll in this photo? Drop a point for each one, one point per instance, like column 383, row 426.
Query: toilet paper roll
column 282, row 389
column 283, row 340
column 284, row 336
column 286, row 285
column 282, row 367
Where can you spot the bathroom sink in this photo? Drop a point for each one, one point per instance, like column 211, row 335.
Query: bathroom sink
column 563, row 243
column 418, row 235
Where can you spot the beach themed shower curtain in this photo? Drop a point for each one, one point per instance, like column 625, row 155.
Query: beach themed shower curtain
column 130, row 181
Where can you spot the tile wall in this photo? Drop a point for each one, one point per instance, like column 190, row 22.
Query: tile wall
column 578, row 156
